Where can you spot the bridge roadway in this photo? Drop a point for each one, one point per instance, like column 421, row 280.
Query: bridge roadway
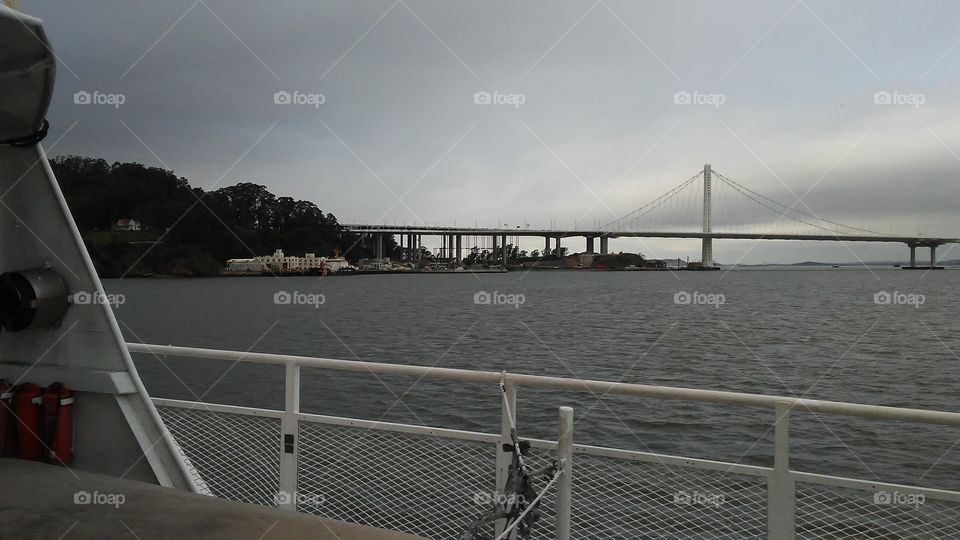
column 451, row 245
column 547, row 233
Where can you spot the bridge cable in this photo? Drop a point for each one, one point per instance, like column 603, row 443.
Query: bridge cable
column 741, row 188
column 656, row 202
column 781, row 213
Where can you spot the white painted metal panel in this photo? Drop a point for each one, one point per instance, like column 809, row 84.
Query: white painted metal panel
column 37, row 231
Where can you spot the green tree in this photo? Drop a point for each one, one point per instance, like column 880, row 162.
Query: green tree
column 195, row 231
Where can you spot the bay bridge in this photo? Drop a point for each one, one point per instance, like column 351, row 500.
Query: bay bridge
column 667, row 216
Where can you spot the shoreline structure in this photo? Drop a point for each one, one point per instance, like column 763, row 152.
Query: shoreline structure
column 280, row 264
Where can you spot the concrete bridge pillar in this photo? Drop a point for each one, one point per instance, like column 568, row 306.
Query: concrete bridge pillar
column 493, row 249
column 604, row 245
column 546, row 246
column 913, row 255
column 589, row 244
column 933, row 255
column 559, row 238
column 379, row 245
column 459, row 254
column 503, row 248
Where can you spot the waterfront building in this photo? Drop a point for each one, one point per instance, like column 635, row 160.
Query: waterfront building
column 280, row 263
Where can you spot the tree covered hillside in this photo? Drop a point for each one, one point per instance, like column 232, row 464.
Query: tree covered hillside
column 187, row 231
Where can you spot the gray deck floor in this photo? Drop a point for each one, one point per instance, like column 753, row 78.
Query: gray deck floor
column 37, row 501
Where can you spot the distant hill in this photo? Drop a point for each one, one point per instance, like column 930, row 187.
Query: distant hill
column 187, row 231
column 953, row 262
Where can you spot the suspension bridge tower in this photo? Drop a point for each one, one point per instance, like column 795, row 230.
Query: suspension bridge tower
column 706, row 257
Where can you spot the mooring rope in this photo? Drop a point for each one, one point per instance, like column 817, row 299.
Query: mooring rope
column 506, row 402
column 506, row 532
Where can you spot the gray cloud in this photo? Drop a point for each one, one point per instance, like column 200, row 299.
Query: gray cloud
column 798, row 85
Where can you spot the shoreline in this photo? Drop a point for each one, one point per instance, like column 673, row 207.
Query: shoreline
column 538, row 269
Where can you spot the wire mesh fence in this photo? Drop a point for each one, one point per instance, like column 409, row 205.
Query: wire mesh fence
column 831, row 512
column 237, row 456
column 619, row 499
column 436, row 482
column 430, row 486
column 435, row 486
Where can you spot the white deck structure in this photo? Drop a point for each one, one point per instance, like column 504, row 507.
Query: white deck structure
column 117, row 430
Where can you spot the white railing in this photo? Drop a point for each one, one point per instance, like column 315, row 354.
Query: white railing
column 389, row 477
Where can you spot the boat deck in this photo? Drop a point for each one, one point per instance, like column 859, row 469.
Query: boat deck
column 39, row 502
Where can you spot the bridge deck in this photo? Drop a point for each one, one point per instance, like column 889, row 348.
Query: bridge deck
column 474, row 231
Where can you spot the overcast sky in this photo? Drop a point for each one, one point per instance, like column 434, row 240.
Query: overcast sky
column 589, row 129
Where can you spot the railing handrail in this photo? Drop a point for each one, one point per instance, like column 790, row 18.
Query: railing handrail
column 878, row 412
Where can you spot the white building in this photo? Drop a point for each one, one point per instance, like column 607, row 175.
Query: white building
column 244, row 266
column 126, row 225
column 278, row 263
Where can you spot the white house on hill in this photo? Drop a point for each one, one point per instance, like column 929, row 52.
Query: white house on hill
column 127, row 224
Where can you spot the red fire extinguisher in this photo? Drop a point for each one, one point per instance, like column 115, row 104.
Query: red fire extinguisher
column 8, row 430
column 27, row 406
column 58, row 423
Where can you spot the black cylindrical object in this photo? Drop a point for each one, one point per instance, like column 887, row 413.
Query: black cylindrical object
column 31, row 299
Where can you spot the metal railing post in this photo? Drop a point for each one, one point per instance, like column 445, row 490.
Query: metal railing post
column 565, row 484
column 508, row 418
column 781, row 496
column 289, row 443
